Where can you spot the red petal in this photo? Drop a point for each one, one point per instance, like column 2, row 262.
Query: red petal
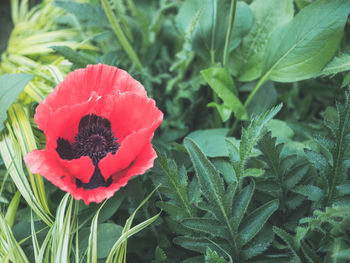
column 81, row 168
column 131, row 113
column 134, row 120
column 78, row 86
column 64, row 122
column 44, row 163
column 142, row 163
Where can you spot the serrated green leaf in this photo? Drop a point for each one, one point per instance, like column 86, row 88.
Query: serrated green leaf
column 210, row 182
column 80, row 60
column 11, row 85
column 300, row 49
column 338, row 64
column 255, row 221
column 241, row 203
column 212, row 257
column 92, row 15
column 311, row 192
column 253, row 172
column 251, row 136
column 222, row 84
column 207, row 226
column 288, row 239
column 259, row 244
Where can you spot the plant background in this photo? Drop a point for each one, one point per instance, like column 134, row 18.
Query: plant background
column 253, row 153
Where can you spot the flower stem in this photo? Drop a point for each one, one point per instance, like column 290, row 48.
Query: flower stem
column 120, row 35
column 229, row 31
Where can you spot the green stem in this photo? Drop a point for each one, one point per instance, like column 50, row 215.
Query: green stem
column 248, row 100
column 120, row 35
column 229, row 31
column 255, row 90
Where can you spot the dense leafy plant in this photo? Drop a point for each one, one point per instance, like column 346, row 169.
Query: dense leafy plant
column 238, row 179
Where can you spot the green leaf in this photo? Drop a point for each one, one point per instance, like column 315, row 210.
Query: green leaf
column 289, row 240
column 224, row 111
column 251, row 136
column 300, row 49
column 209, row 38
column 268, row 14
column 11, row 85
column 338, row 64
column 311, row 192
column 253, row 172
column 210, row 182
column 107, row 235
column 241, row 203
column 255, row 221
column 212, row 257
column 80, row 60
column 212, row 142
column 222, row 84
column 207, row 226
column 92, row 15
column 259, row 244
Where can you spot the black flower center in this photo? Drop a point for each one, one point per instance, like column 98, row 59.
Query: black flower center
column 94, row 139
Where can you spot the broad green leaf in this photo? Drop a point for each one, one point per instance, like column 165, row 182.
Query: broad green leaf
column 223, row 109
column 80, row 60
column 280, row 130
column 311, row 192
column 107, row 235
column 255, row 221
column 222, row 84
column 211, row 142
column 11, row 85
column 209, row 38
column 338, row 64
column 300, row 49
column 268, row 14
column 241, row 203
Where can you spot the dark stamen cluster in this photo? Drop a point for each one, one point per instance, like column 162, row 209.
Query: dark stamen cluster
column 94, row 139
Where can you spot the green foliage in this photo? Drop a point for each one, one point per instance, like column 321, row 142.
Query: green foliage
column 332, row 158
column 222, row 84
column 11, row 86
column 298, row 50
column 247, row 60
column 278, row 191
column 209, row 38
column 80, row 60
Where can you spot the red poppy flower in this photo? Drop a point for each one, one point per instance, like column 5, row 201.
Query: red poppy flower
column 98, row 125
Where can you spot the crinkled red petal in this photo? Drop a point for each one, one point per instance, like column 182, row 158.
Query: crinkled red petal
column 78, row 86
column 141, row 164
column 44, row 162
column 134, row 120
